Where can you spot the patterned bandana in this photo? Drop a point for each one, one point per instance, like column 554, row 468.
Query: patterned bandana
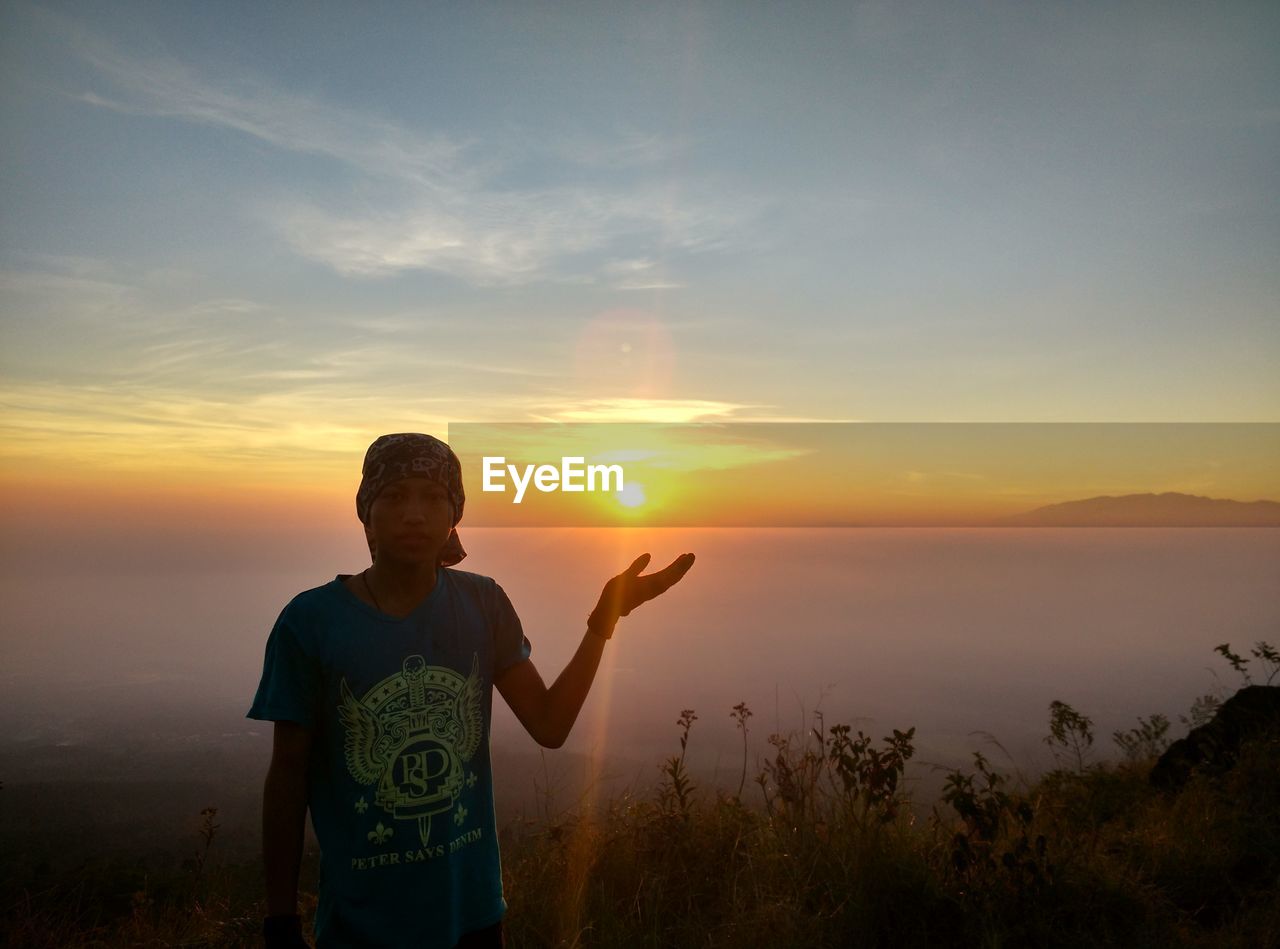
column 410, row 455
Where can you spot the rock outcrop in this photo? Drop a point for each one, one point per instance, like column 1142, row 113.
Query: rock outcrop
column 1212, row 748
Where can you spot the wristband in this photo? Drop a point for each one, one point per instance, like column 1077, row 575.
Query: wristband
column 595, row 627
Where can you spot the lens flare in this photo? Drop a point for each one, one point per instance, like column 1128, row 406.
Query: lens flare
column 627, row 352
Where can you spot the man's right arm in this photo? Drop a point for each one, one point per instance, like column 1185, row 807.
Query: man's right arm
column 284, row 816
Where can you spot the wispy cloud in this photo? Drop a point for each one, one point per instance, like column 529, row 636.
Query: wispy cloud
column 506, row 237
column 639, row 410
column 39, row 283
column 641, row 274
column 224, row 385
column 301, row 422
column 375, row 146
column 444, row 203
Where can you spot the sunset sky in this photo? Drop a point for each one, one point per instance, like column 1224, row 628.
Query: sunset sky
column 239, row 241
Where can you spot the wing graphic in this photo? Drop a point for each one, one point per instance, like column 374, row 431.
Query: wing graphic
column 362, row 733
column 469, row 714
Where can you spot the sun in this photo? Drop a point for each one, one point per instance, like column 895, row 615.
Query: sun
column 631, row 494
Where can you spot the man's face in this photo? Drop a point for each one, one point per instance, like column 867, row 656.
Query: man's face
column 410, row 520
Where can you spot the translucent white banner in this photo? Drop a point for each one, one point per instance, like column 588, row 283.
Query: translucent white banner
column 1068, row 474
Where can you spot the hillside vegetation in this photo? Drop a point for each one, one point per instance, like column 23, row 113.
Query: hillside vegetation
column 818, row 845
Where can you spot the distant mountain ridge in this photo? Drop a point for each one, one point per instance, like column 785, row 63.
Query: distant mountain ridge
column 1170, row 509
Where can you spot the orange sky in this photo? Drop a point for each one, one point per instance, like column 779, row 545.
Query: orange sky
column 861, row 473
column 718, row 475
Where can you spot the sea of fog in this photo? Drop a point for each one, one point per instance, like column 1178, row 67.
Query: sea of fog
column 139, row 660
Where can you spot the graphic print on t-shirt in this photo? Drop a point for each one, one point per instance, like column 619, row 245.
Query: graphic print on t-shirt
column 413, row 734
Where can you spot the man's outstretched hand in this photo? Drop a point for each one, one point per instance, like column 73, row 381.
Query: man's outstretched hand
column 628, row 590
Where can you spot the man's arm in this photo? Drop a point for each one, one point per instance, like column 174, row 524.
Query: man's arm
column 284, row 816
column 548, row 714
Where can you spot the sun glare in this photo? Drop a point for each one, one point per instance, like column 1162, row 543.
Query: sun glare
column 631, row 494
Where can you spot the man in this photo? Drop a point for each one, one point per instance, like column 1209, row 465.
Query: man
column 380, row 686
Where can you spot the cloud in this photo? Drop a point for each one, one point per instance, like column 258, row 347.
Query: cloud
column 39, row 283
column 375, row 146
column 641, row 274
column 505, row 237
column 437, row 202
column 638, row 410
column 673, row 411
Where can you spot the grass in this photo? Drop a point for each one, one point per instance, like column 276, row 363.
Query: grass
column 821, row 848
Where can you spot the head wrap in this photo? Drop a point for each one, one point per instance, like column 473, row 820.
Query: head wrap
column 410, row 455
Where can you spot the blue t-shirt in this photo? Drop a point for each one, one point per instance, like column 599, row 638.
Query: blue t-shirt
column 399, row 782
